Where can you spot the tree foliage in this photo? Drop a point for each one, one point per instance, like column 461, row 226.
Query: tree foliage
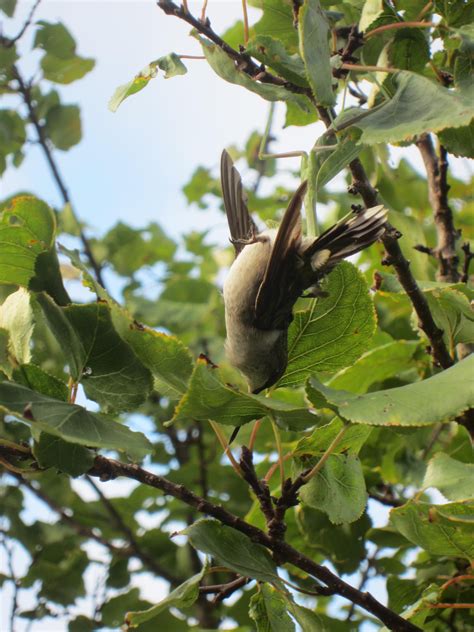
column 375, row 408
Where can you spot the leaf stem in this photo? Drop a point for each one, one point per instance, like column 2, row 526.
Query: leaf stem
column 246, row 22
column 225, row 446
column 276, row 432
column 362, row 68
column 327, row 454
column 401, row 25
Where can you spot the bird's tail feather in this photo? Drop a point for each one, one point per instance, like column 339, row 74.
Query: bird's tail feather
column 350, row 235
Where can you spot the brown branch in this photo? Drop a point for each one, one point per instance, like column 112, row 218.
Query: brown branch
column 244, row 62
column 25, row 91
column 468, row 257
column 107, row 469
column 395, row 258
column 364, row 578
column 222, row 591
column 9, row 42
column 438, row 187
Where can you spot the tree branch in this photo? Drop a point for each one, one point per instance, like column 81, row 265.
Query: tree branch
column 9, row 42
column 243, row 61
column 395, row 258
column 25, row 91
column 107, row 469
column 438, row 187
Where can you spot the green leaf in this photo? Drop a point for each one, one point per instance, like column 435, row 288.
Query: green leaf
column 71, row 422
column 106, row 365
column 296, row 116
column 459, row 141
column 334, row 331
column 343, row 545
column 16, row 317
column 453, row 314
column 8, row 7
column 113, row 610
column 170, row 64
column 375, row 366
column 440, row 398
column 277, row 22
column 269, row 610
column 313, row 30
column 27, row 228
column 321, row 438
column 272, row 52
column 418, row 106
column 454, row 479
column 232, row 549
column 181, row 597
column 12, row 132
column 408, row 50
column 209, row 398
column 52, row 451
column 130, row 249
column 333, row 162
column 65, row 71
column 372, row 10
column 35, row 378
column 338, row 489
column 168, row 359
column 225, row 68
column 55, row 39
column 438, row 529
column 63, row 126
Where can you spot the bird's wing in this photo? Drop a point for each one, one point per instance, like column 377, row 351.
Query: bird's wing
column 274, row 302
column 241, row 225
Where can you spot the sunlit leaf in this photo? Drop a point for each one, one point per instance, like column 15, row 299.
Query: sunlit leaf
column 334, row 331
column 313, row 30
column 438, row 529
column 181, row 597
column 440, row 398
column 454, row 479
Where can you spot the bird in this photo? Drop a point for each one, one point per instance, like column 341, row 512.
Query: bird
column 272, row 269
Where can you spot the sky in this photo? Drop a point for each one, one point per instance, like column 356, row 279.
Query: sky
column 131, row 165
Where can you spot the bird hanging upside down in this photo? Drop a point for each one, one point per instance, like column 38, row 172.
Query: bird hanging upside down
column 272, row 269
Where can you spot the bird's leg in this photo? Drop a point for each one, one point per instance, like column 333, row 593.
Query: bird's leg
column 252, row 239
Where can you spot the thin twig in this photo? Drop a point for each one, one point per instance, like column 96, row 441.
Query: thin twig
column 363, row 580
column 400, row 25
column 13, row 579
column 246, row 22
column 8, row 43
column 438, row 187
column 309, row 475
column 395, row 257
column 468, row 257
column 25, row 91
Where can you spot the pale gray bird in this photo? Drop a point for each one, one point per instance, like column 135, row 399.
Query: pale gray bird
column 272, row 269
